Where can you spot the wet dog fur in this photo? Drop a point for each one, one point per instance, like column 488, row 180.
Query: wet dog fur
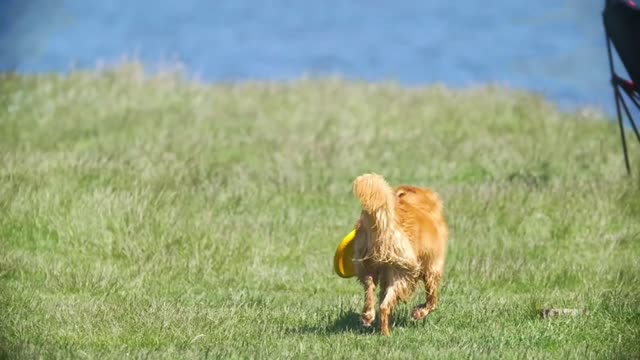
column 401, row 239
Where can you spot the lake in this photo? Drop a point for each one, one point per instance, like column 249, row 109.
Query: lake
column 556, row 48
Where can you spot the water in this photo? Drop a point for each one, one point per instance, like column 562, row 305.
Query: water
column 552, row 47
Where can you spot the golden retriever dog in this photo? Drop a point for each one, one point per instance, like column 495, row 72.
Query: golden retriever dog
column 401, row 238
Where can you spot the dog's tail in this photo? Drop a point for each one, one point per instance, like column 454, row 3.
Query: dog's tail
column 376, row 196
column 378, row 201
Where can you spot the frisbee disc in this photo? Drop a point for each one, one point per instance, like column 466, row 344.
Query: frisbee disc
column 343, row 258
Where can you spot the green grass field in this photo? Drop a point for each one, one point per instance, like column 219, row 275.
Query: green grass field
column 151, row 216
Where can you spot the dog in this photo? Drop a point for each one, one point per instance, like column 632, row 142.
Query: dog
column 401, row 238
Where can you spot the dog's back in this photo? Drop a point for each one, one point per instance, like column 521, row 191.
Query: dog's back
column 419, row 214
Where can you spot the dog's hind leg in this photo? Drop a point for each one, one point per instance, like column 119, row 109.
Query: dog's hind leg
column 369, row 311
column 397, row 290
column 431, row 284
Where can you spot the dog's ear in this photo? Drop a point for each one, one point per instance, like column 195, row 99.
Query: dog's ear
column 403, row 190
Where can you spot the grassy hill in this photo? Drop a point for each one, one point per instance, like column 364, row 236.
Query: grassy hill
column 154, row 216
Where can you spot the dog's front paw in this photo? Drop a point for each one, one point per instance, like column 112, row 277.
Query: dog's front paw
column 367, row 318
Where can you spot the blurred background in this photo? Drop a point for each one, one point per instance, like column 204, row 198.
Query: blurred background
column 552, row 47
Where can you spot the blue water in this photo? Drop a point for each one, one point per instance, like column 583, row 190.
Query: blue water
column 552, row 47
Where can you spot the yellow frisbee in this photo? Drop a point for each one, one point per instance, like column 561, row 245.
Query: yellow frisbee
column 343, row 259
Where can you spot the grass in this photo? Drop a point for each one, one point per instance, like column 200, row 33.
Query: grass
column 151, row 216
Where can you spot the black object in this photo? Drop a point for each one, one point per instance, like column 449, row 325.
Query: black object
column 621, row 20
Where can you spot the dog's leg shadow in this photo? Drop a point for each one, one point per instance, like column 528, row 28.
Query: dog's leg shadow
column 348, row 321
